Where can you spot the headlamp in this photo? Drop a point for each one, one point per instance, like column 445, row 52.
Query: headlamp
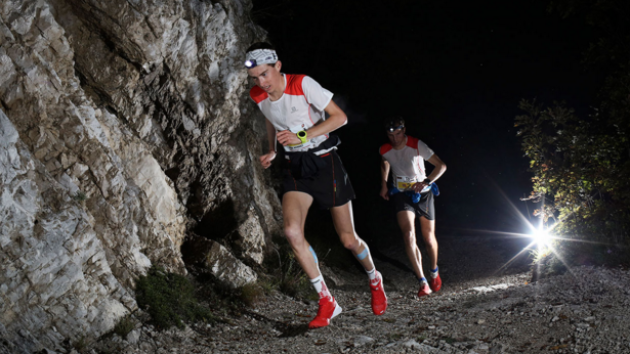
column 392, row 128
column 259, row 57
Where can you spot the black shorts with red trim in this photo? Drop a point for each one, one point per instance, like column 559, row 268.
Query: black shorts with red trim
column 403, row 202
column 330, row 187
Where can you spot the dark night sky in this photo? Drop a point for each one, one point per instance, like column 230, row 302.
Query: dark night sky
column 455, row 70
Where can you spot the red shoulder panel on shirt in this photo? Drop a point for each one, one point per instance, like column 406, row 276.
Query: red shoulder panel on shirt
column 257, row 94
column 294, row 84
column 385, row 148
column 412, row 142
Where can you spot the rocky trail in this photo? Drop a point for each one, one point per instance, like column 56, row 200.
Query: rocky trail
column 124, row 124
column 480, row 310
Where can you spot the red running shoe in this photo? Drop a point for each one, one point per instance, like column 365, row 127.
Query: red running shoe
column 436, row 283
column 327, row 310
column 424, row 290
column 379, row 300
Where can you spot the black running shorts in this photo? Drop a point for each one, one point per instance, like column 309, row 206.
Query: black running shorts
column 330, row 187
column 424, row 207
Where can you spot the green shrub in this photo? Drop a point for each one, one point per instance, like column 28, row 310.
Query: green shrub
column 294, row 281
column 251, row 294
column 548, row 265
column 79, row 196
column 267, row 286
column 169, row 299
column 579, row 166
column 449, row 340
column 285, row 273
column 80, row 344
column 124, row 326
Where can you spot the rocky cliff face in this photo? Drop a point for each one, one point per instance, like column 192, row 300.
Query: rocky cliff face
column 124, row 125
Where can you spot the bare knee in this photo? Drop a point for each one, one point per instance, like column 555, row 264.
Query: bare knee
column 293, row 234
column 350, row 241
column 409, row 237
column 430, row 240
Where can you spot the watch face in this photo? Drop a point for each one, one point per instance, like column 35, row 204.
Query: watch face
column 302, row 134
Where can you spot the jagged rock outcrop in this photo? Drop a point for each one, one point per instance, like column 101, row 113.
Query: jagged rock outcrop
column 123, row 125
column 211, row 257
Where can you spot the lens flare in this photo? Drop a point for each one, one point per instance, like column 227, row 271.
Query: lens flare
column 544, row 237
column 541, row 237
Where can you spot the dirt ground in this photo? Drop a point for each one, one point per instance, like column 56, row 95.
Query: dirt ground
column 484, row 307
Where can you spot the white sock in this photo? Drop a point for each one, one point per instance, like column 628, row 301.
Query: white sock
column 434, row 273
column 321, row 288
column 373, row 275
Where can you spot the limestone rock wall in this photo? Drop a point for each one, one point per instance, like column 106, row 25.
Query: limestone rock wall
column 124, row 124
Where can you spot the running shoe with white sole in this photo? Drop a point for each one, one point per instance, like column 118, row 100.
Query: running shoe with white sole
column 424, row 290
column 328, row 309
column 379, row 299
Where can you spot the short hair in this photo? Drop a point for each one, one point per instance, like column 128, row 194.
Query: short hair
column 259, row 45
column 392, row 123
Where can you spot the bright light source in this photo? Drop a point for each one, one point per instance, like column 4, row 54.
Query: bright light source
column 541, row 237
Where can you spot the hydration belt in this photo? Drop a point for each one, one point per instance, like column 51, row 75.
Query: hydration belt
column 415, row 197
column 305, row 164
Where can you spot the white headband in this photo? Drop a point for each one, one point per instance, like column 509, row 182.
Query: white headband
column 260, row 56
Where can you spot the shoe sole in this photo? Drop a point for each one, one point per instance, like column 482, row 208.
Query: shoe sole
column 427, row 294
column 337, row 311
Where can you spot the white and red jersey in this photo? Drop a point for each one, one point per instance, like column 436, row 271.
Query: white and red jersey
column 407, row 164
column 300, row 107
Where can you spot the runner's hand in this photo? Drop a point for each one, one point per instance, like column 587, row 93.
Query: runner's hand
column 385, row 193
column 265, row 160
column 286, row 137
column 419, row 186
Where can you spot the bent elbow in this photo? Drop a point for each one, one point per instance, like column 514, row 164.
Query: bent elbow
column 344, row 120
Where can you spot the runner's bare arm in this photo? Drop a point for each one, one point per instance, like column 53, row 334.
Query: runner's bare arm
column 337, row 119
column 440, row 168
column 384, row 175
column 438, row 171
column 266, row 159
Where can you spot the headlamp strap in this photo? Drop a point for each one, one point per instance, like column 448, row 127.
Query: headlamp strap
column 260, row 56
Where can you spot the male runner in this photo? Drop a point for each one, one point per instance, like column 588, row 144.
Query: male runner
column 412, row 195
column 294, row 107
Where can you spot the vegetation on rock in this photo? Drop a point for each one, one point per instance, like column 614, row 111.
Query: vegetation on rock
column 170, row 299
column 124, row 326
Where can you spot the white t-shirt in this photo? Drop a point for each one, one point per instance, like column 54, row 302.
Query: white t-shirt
column 407, row 164
column 300, row 107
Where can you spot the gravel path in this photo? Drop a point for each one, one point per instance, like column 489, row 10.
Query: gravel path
column 480, row 310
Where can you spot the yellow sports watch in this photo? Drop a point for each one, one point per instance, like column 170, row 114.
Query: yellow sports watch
column 302, row 136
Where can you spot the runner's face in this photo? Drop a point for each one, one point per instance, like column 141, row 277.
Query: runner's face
column 267, row 77
column 397, row 137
